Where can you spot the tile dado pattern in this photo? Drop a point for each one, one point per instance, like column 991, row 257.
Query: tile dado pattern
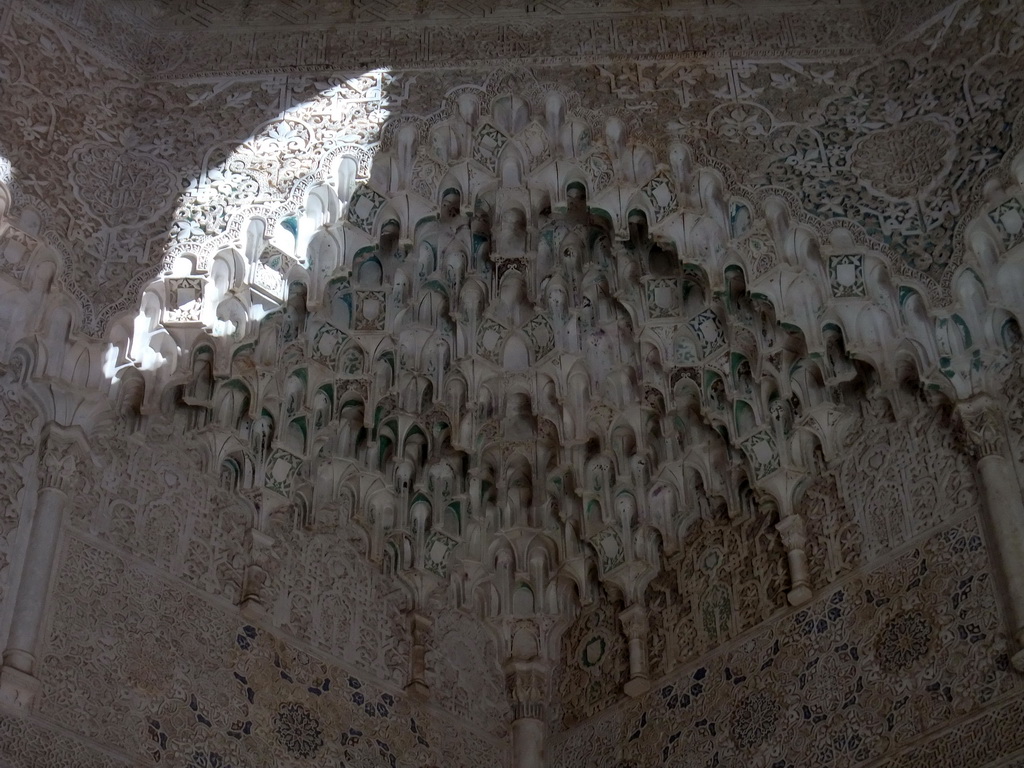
column 463, row 403
column 28, row 743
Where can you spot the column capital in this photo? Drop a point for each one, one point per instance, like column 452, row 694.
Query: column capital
column 634, row 622
column 793, row 532
column 57, row 470
column 527, row 684
column 981, row 421
column 63, row 453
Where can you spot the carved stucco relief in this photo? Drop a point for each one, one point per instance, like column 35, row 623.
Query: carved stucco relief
column 166, row 676
column 26, row 743
column 819, row 129
column 879, row 660
column 585, row 388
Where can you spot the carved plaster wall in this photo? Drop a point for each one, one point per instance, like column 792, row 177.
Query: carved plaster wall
column 574, row 410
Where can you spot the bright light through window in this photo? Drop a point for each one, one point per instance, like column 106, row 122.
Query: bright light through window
column 242, row 229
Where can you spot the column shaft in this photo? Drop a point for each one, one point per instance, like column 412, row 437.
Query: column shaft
column 1005, row 510
column 17, row 677
column 527, row 743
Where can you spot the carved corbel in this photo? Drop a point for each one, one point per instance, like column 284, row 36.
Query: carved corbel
column 257, row 570
column 794, row 538
column 419, row 628
column 637, row 629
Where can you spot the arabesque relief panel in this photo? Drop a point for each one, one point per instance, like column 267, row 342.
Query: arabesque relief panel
column 881, row 659
column 168, row 677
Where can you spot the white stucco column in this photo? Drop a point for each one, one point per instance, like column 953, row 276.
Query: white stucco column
column 1003, row 503
column 17, row 677
column 527, row 743
column 527, row 687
